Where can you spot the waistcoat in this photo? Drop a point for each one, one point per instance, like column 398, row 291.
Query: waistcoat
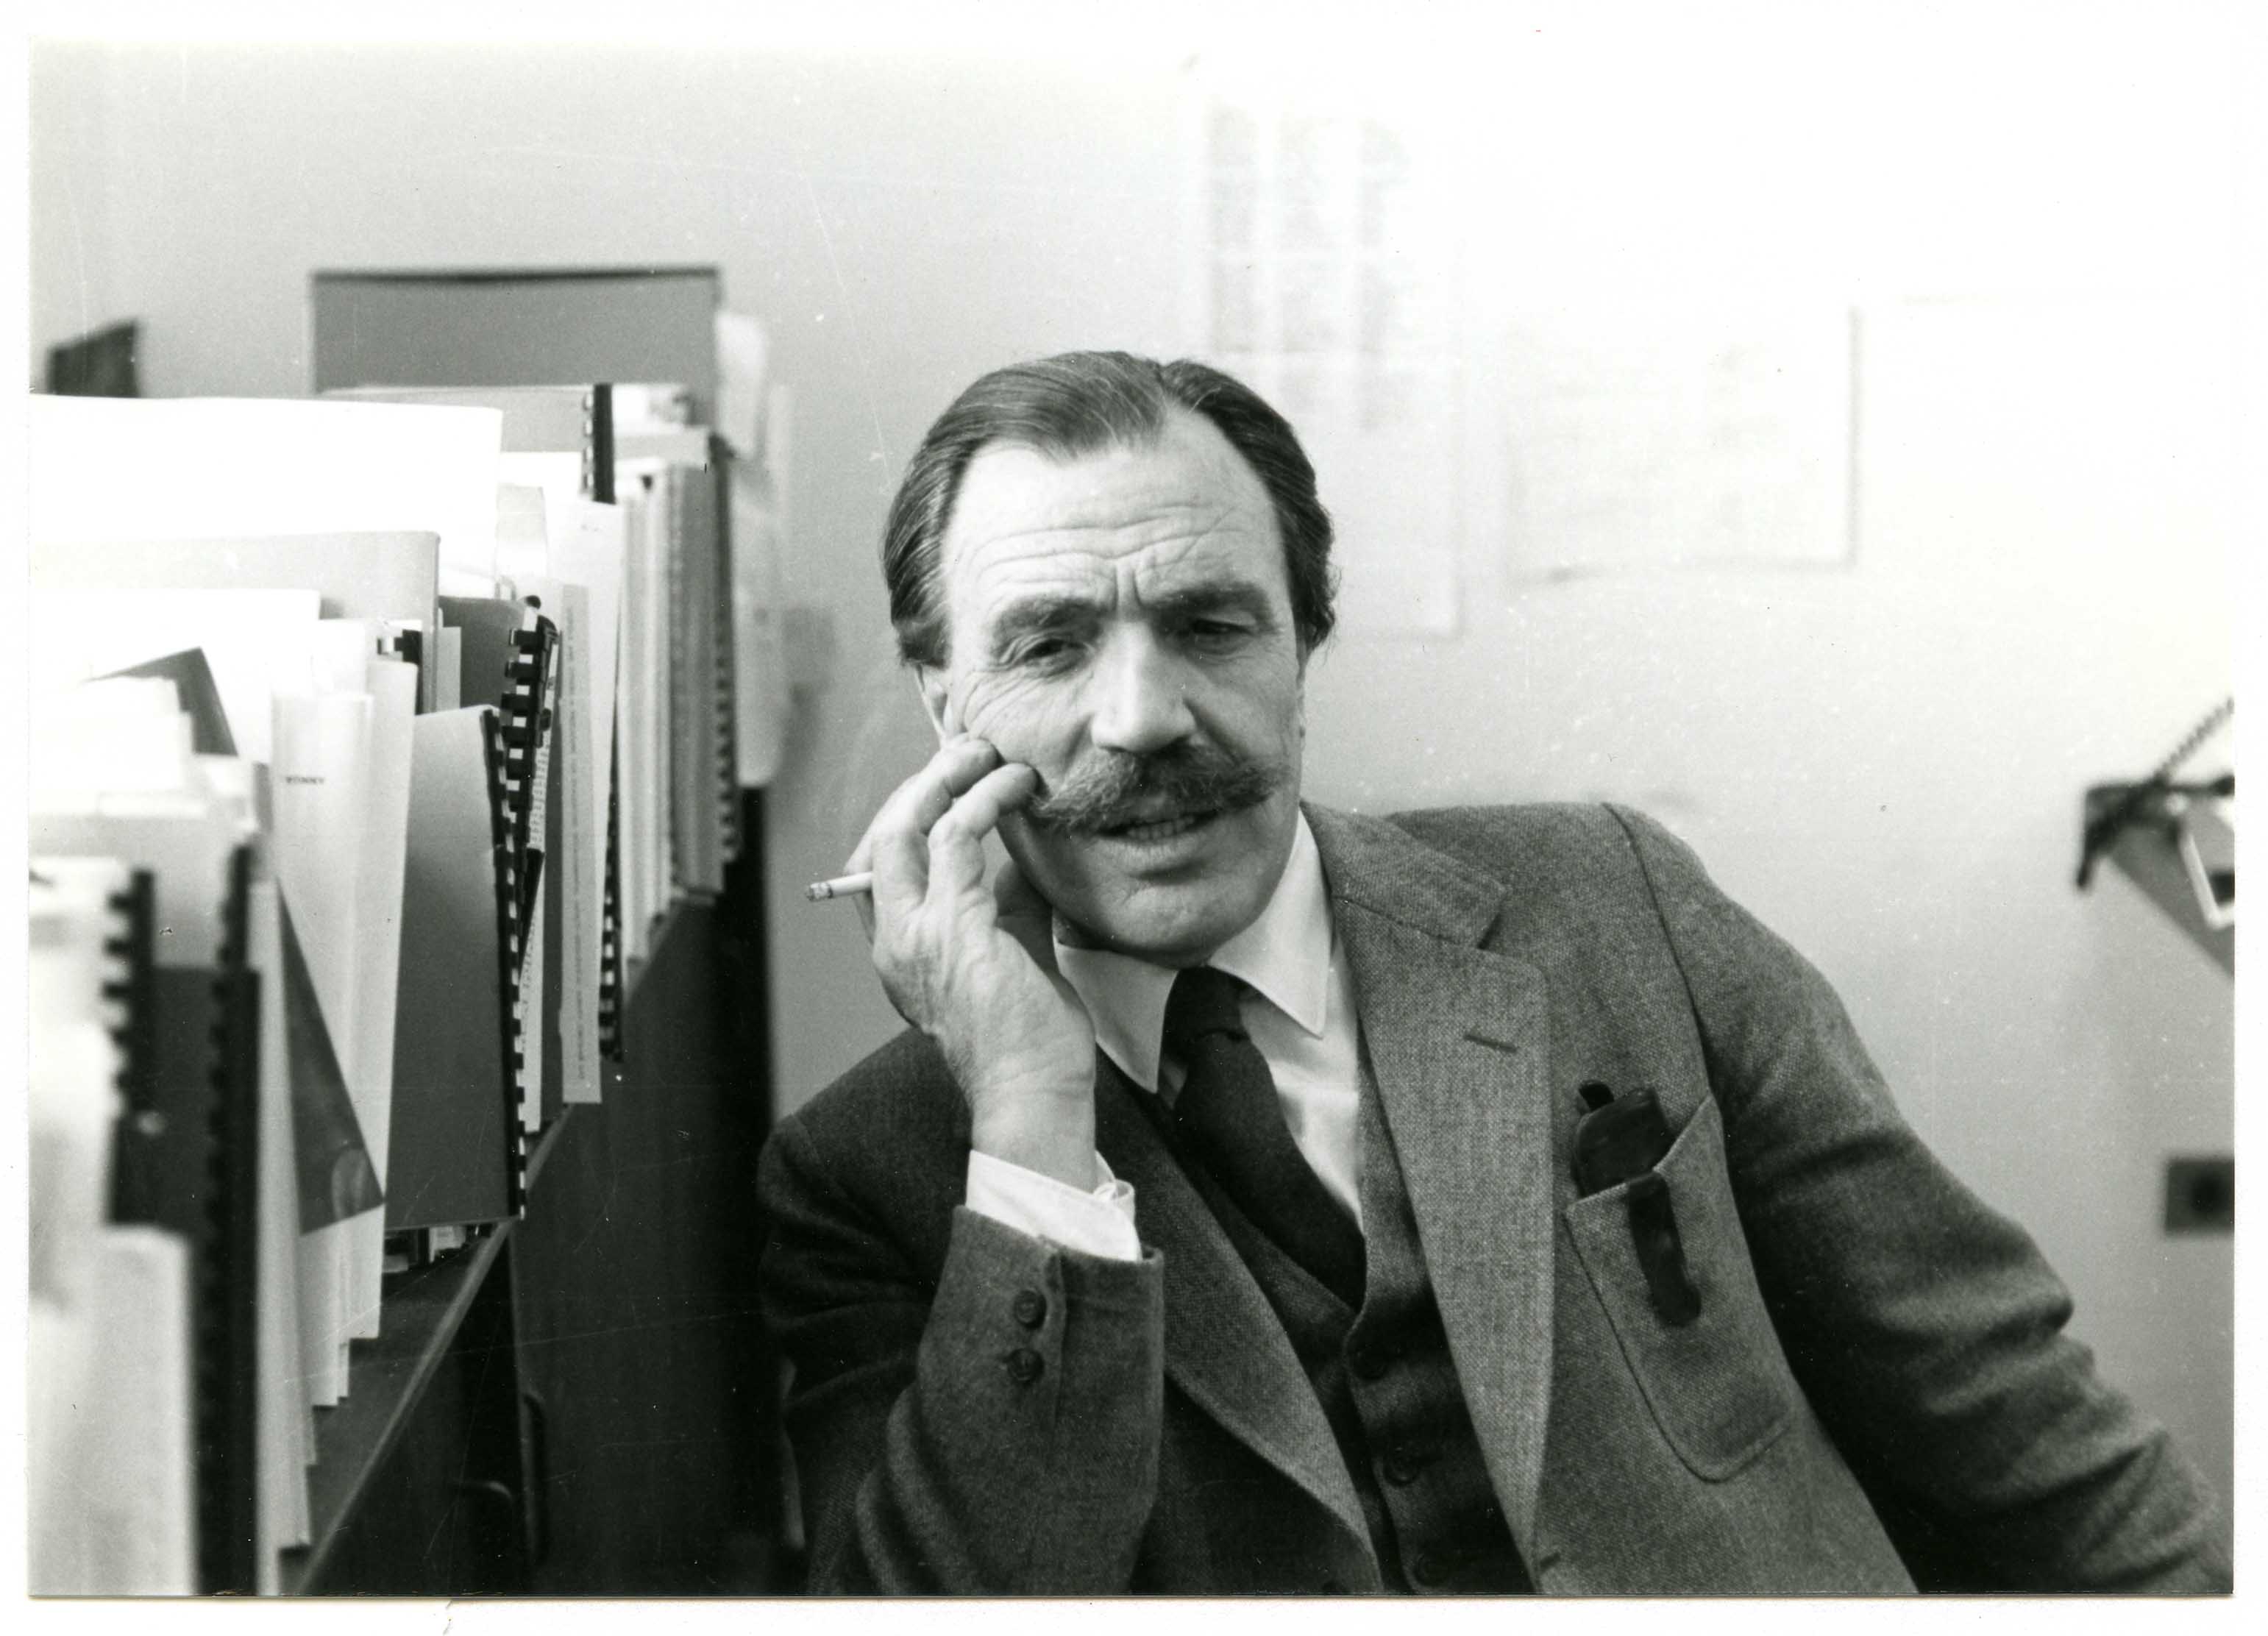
column 1388, row 1385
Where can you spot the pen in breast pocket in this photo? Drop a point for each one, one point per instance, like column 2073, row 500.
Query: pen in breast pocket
column 843, row 886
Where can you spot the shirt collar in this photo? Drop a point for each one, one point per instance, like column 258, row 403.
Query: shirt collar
column 1284, row 955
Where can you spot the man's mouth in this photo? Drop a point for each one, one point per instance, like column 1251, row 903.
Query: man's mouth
column 1157, row 828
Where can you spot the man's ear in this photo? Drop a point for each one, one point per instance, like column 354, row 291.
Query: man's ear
column 937, row 703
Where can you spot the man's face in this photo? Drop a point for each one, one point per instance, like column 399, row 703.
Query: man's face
column 1122, row 623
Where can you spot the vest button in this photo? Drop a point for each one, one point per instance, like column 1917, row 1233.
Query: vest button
column 1332, row 1586
column 1431, row 1567
column 1404, row 1466
column 1370, row 1363
column 1024, row 1366
column 1030, row 1309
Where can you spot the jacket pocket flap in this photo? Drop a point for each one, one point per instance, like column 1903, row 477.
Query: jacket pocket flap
column 1718, row 1384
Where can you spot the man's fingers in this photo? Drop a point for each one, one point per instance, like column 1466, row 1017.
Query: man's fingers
column 861, row 859
column 956, row 840
column 896, row 843
column 926, row 797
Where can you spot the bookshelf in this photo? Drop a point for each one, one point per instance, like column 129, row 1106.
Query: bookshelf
column 577, row 1398
column 491, row 1444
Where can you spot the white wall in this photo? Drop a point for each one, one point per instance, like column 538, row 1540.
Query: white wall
column 1886, row 762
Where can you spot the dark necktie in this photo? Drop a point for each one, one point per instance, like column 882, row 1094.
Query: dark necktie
column 1228, row 1115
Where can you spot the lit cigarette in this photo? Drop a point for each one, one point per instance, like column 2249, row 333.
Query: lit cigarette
column 841, row 885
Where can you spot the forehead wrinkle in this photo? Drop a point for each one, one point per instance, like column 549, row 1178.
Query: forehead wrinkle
column 1030, row 567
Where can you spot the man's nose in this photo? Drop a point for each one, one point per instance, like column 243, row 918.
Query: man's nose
column 1140, row 699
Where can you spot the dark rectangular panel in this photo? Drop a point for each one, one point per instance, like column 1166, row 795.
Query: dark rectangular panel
column 526, row 329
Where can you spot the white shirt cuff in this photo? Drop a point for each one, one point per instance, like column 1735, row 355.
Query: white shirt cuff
column 1096, row 1223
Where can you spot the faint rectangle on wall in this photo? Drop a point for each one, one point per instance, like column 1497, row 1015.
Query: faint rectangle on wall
column 1643, row 437
column 526, row 328
column 1327, row 272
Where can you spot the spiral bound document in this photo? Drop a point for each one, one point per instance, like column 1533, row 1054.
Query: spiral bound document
column 511, row 651
column 611, row 1044
column 524, row 724
column 495, row 760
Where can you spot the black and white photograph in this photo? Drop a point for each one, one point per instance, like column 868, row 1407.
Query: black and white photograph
column 1213, row 802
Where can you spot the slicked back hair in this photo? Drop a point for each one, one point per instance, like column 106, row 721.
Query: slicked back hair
column 1077, row 404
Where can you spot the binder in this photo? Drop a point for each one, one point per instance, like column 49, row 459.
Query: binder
column 586, row 548
column 452, row 1142
column 573, row 888
column 613, row 989
column 510, row 655
column 725, row 664
column 224, row 1292
column 510, row 958
column 191, row 1166
column 96, row 1525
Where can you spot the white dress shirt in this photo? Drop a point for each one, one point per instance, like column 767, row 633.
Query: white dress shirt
column 1299, row 1009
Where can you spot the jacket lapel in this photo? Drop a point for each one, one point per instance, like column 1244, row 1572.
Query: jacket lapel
column 1458, row 1041
column 1224, row 1349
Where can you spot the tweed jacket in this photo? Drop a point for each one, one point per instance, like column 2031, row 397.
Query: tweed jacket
column 1876, row 1394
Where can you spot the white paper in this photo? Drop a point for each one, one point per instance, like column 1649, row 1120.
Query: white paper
column 125, row 735
column 1329, row 272
column 255, row 643
column 74, row 1063
column 282, row 1400
column 759, row 527
column 319, row 796
column 523, row 527
column 129, row 1436
column 1650, row 437
column 587, row 542
column 392, row 686
column 637, row 682
column 142, row 468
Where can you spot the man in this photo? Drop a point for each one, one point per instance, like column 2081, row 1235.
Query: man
column 1217, row 1226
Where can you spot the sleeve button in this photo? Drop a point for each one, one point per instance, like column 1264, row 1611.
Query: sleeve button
column 1025, row 1366
column 1030, row 1309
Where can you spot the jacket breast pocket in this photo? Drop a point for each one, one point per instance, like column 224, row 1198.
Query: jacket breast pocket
column 1718, row 1386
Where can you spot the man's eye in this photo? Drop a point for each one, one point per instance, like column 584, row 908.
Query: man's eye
column 1217, row 632
column 1046, row 650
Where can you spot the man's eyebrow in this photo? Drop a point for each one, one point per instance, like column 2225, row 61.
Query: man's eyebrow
column 1028, row 615
column 1214, row 596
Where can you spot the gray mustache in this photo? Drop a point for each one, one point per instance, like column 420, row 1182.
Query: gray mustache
column 1107, row 791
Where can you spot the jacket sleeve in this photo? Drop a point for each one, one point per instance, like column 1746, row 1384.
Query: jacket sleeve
column 1926, row 1328
column 993, row 1430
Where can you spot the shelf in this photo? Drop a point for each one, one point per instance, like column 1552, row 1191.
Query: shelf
column 423, row 1311
column 421, row 1315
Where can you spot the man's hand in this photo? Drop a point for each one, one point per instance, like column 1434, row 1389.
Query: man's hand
column 972, row 966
